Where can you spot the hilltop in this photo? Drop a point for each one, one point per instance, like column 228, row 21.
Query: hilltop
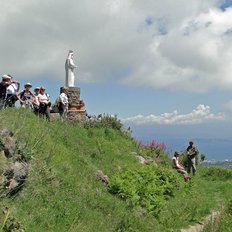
column 63, row 193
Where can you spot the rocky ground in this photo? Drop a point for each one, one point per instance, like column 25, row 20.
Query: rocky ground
column 13, row 165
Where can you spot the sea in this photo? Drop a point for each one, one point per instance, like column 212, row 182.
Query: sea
column 213, row 149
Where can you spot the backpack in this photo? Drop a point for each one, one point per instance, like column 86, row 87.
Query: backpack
column 23, row 93
column 58, row 105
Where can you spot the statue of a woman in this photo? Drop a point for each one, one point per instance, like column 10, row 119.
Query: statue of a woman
column 69, row 70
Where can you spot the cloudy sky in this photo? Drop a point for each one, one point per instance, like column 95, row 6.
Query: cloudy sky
column 156, row 64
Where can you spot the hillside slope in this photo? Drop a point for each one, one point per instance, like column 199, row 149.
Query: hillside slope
column 62, row 193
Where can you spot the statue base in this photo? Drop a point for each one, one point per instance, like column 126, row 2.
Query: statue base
column 77, row 116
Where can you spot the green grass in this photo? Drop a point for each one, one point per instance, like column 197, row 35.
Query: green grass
column 63, row 194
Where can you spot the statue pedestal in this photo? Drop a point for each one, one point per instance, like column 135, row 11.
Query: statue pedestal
column 76, row 109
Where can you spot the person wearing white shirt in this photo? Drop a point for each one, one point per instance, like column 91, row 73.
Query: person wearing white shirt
column 11, row 92
column 176, row 165
column 36, row 102
column 63, row 104
column 44, row 100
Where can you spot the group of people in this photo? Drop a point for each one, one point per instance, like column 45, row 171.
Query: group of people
column 38, row 100
column 191, row 153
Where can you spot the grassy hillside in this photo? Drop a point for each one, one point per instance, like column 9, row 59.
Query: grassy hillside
column 62, row 192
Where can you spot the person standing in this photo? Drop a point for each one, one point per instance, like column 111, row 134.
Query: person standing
column 36, row 102
column 3, row 86
column 26, row 96
column 44, row 101
column 191, row 153
column 63, row 104
column 11, row 92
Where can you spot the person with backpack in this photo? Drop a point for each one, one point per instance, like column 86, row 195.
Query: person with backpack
column 11, row 92
column 26, row 96
column 44, row 100
column 3, row 86
column 63, row 104
column 191, row 153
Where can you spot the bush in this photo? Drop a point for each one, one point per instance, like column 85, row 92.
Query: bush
column 105, row 121
column 148, row 186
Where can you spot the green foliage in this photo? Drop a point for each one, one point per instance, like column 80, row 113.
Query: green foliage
column 10, row 223
column 149, row 186
column 217, row 173
column 105, row 121
column 203, row 157
column 223, row 222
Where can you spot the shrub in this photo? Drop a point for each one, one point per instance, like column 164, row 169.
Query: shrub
column 148, row 187
column 152, row 149
column 105, row 121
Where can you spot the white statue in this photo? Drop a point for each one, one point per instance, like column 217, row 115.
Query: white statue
column 69, row 69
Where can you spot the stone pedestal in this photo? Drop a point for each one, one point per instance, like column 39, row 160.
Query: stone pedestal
column 76, row 110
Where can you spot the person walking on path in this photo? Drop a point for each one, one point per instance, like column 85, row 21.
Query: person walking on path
column 191, row 153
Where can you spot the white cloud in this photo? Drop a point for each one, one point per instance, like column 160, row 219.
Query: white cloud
column 178, row 45
column 199, row 115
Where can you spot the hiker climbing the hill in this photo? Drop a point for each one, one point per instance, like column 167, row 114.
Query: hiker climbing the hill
column 11, row 92
column 26, row 96
column 44, row 100
column 191, row 153
column 63, row 104
column 3, row 86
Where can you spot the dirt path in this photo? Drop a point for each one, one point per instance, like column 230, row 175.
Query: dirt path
column 199, row 227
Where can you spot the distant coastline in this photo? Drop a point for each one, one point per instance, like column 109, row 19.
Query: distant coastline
column 225, row 163
column 214, row 149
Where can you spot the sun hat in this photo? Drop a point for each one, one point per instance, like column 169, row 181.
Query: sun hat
column 6, row 77
column 28, row 84
column 9, row 76
column 37, row 88
column 42, row 87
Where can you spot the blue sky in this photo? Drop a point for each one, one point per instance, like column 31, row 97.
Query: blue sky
column 162, row 66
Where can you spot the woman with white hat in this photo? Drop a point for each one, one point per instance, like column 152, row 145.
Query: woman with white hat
column 36, row 102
